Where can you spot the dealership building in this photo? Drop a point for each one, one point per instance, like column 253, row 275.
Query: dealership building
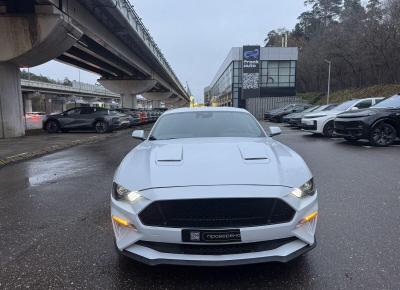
column 255, row 78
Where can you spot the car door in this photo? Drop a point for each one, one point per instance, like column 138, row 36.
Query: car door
column 87, row 117
column 69, row 119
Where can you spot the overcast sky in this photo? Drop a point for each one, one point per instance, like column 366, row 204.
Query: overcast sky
column 196, row 35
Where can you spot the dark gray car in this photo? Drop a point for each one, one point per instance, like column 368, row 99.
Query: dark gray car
column 99, row 119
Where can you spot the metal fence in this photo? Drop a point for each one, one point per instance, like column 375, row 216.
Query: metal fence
column 258, row 106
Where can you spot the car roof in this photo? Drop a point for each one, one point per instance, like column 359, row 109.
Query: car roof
column 205, row 109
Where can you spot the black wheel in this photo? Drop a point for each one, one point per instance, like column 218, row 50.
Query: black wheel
column 351, row 139
column 328, row 129
column 101, row 127
column 52, row 126
column 382, row 135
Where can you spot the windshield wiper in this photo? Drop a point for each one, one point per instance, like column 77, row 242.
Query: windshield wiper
column 152, row 138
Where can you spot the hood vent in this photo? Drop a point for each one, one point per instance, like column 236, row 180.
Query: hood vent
column 169, row 154
column 253, row 151
column 256, row 158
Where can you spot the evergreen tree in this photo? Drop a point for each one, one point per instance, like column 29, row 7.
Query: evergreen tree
column 374, row 10
column 327, row 11
column 352, row 9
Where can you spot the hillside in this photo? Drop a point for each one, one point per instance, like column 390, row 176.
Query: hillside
column 340, row 96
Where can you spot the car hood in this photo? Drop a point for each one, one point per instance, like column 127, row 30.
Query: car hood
column 299, row 115
column 363, row 112
column 227, row 161
column 275, row 111
column 289, row 111
column 325, row 113
column 292, row 115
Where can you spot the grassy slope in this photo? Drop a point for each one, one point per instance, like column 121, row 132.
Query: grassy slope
column 340, row 96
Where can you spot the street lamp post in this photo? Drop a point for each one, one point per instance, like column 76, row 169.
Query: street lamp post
column 329, row 80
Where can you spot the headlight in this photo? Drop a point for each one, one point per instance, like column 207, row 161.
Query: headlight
column 121, row 193
column 307, row 189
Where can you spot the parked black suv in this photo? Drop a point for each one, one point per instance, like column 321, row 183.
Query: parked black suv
column 99, row 119
column 379, row 124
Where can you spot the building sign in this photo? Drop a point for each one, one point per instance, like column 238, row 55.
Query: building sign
column 251, row 72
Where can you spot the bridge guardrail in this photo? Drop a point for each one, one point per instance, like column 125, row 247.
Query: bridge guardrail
column 44, row 85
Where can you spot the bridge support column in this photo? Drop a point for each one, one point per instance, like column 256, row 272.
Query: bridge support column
column 156, row 104
column 129, row 101
column 28, row 105
column 11, row 105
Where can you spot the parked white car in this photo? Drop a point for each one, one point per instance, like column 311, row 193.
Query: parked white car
column 322, row 122
column 209, row 187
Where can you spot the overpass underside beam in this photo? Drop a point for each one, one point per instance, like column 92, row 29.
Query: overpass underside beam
column 128, row 89
column 157, row 96
column 11, row 105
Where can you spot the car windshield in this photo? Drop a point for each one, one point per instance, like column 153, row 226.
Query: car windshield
column 324, row 108
column 392, row 102
column 346, row 105
column 288, row 107
column 205, row 124
column 311, row 109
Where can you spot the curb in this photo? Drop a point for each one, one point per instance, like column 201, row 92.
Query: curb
column 55, row 148
column 51, row 149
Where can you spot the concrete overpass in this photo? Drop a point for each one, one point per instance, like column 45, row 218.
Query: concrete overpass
column 106, row 37
column 61, row 95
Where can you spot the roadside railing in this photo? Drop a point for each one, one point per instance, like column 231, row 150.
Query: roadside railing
column 50, row 86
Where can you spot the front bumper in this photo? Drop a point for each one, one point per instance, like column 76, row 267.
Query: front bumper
column 310, row 125
column 283, row 255
column 354, row 128
column 136, row 242
column 295, row 122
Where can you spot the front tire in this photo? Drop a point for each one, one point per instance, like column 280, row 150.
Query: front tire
column 101, row 127
column 52, row 127
column 382, row 135
column 328, row 129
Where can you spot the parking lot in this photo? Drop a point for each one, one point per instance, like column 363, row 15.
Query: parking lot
column 56, row 231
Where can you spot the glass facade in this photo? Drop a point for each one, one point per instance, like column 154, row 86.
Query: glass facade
column 277, row 77
column 278, row 74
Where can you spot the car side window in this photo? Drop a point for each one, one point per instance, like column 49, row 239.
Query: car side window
column 364, row 104
column 73, row 112
column 86, row 111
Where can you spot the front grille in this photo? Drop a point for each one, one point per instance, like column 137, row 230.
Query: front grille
column 217, row 213
column 348, row 124
column 190, row 249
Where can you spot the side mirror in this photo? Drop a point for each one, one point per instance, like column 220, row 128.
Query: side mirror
column 138, row 134
column 354, row 109
column 274, row 131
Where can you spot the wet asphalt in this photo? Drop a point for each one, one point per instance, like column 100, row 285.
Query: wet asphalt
column 55, row 230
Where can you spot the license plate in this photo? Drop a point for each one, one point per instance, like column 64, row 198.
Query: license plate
column 211, row 236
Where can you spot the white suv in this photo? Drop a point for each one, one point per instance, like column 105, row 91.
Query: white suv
column 322, row 122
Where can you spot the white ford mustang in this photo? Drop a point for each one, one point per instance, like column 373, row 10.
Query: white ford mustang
column 209, row 187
